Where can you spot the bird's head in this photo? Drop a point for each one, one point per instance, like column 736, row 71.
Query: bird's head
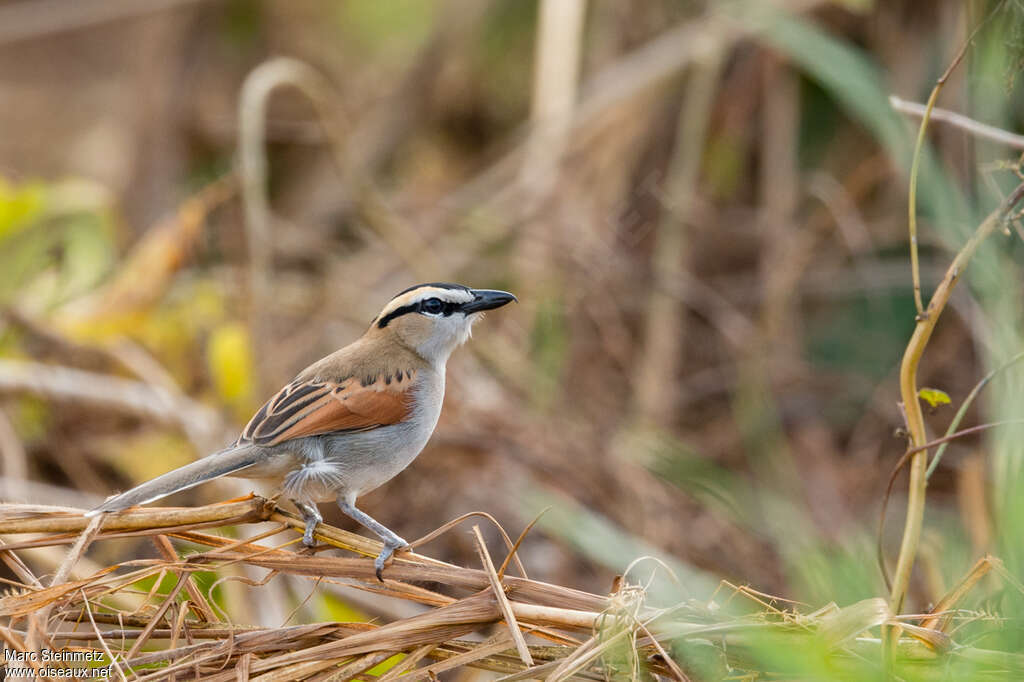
column 434, row 319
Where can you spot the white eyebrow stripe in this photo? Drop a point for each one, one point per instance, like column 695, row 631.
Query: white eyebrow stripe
column 450, row 295
column 423, row 293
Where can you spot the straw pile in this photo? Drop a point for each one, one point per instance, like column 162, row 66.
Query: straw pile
column 474, row 617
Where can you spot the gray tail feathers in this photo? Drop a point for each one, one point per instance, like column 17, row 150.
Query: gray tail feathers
column 206, row 469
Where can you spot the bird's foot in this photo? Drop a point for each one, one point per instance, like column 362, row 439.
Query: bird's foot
column 311, row 515
column 391, row 541
column 390, row 546
column 307, row 537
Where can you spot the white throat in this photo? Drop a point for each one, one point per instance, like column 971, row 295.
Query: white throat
column 449, row 333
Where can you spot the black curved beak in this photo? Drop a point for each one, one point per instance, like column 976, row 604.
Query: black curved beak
column 487, row 299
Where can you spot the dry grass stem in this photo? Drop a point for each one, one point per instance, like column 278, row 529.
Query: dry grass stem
column 499, row 593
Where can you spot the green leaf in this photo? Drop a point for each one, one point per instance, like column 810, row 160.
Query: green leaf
column 934, row 397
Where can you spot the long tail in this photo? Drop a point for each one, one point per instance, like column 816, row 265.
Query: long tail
column 206, row 469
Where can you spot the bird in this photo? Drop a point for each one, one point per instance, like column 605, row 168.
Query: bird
column 351, row 421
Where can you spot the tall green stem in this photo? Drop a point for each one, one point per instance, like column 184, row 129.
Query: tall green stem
column 908, row 392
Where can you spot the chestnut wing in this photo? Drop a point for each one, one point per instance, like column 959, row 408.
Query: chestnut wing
column 311, row 407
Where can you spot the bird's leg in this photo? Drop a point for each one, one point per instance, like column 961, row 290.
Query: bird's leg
column 391, row 541
column 311, row 515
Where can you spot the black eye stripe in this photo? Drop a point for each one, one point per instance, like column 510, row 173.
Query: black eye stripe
column 447, row 308
column 397, row 312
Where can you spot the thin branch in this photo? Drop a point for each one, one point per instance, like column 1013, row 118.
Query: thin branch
column 956, row 120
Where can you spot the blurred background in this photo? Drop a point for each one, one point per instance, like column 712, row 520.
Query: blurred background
column 701, row 206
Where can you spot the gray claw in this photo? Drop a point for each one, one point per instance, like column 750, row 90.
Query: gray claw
column 307, row 537
column 384, row 556
column 311, row 515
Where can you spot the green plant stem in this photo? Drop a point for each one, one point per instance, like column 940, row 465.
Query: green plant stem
column 915, row 270
column 908, row 392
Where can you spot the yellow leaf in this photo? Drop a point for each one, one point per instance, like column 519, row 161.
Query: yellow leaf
column 934, row 397
column 19, row 206
column 229, row 355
